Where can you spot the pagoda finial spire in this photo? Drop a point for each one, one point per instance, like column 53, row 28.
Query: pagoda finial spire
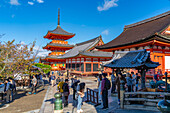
column 58, row 16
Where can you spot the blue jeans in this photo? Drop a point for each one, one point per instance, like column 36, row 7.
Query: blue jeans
column 79, row 102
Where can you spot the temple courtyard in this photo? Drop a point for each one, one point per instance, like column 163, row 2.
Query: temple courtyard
column 43, row 102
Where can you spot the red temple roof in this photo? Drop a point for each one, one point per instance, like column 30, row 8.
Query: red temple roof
column 140, row 32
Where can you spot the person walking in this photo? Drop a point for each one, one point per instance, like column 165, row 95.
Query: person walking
column 99, row 87
column 80, row 91
column 60, row 86
column 113, row 79
column 66, row 92
column 34, row 85
column 53, row 79
column 105, row 86
column 74, row 87
column 129, row 82
column 7, row 90
column 118, row 79
column 12, row 87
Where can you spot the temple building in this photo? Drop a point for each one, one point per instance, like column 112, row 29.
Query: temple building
column 84, row 59
column 57, row 46
column 152, row 34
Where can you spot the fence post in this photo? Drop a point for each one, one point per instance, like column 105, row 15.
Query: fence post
column 87, row 95
column 97, row 97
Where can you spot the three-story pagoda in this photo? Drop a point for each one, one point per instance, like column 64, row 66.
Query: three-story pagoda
column 57, row 46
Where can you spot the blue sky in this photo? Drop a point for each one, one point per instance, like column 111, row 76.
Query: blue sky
column 29, row 20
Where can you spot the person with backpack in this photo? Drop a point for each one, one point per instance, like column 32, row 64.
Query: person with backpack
column 74, row 87
column 118, row 79
column 66, row 92
column 104, row 90
column 12, row 87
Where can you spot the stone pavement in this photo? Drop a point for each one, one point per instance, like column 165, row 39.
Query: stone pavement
column 88, row 107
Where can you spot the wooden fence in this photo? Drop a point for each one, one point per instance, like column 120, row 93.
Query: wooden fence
column 92, row 96
column 143, row 100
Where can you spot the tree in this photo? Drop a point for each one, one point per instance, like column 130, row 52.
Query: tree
column 45, row 68
column 16, row 58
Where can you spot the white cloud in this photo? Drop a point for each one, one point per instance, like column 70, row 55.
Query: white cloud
column 105, row 32
column 107, row 5
column 22, row 43
column 30, row 3
column 14, row 2
column 40, row 1
column 41, row 52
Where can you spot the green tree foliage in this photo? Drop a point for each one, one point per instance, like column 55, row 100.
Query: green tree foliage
column 45, row 68
column 16, row 58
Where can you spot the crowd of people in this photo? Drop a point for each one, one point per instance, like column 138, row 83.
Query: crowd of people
column 8, row 90
column 63, row 87
column 131, row 82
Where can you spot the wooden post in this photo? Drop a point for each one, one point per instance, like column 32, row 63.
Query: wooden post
column 87, row 95
column 93, row 97
column 166, row 81
column 143, row 73
column 97, row 97
column 90, row 95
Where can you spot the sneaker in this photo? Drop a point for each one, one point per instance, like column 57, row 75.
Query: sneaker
column 29, row 93
column 34, row 93
column 104, row 108
column 78, row 111
column 81, row 110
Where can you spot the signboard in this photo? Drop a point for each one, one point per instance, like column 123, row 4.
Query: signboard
column 167, row 62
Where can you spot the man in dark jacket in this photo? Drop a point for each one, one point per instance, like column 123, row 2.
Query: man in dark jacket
column 104, row 92
column 65, row 92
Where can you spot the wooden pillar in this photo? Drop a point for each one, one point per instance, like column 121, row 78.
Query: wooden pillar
column 143, row 73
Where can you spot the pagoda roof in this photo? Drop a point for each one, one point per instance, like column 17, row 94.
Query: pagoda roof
column 60, row 31
column 58, row 45
column 140, row 31
column 131, row 59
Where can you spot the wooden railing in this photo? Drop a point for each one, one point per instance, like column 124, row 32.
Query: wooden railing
column 143, row 100
column 92, row 96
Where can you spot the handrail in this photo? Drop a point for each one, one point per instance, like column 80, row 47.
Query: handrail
column 92, row 96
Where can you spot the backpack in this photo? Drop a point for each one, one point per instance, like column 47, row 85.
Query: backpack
column 107, row 84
